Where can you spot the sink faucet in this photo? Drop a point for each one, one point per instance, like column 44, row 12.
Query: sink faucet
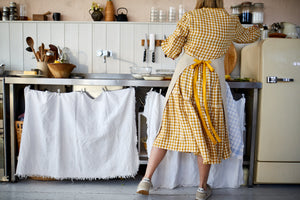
column 104, row 53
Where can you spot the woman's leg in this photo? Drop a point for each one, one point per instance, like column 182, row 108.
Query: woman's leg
column 156, row 157
column 203, row 172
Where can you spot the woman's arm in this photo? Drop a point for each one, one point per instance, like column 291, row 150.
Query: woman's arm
column 246, row 35
column 173, row 45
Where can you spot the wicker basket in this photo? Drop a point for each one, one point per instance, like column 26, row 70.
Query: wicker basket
column 19, row 128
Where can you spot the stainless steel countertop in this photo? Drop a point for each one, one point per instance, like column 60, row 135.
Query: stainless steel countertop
column 69, row 81
column 110, row 80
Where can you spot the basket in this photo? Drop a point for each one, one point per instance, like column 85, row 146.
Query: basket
column 19, row 128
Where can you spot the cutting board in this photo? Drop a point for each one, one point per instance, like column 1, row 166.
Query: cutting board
column 230, row 59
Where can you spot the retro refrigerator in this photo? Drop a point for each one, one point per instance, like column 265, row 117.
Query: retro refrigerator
column 276, row 64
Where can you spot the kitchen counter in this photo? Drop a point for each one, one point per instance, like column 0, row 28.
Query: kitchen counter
column 111, row 80
column 250, row 88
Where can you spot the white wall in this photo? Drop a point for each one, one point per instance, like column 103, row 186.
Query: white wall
column 84, row 39
column 139, row 10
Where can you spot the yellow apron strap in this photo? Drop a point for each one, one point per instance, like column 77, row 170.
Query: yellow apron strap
column 213, row 136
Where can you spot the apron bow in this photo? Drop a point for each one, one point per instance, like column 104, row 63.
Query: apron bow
column 205, row 64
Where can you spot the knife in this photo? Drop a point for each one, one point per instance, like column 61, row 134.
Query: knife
column 145, row 48
column 165, row 37
column 152, row 46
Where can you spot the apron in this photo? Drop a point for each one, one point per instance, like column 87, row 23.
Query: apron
column 194, row 117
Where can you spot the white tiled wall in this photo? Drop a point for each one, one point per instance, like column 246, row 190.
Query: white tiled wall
column 84, row 39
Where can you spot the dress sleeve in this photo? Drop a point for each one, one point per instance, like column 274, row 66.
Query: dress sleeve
column 173, row 45
column 246, row 35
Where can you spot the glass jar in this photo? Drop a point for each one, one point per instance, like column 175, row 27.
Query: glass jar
column 162, row 16
column 181, row 11
column 258, row 13
column 235, row 10
column 154, row 14
column 246, row 13
column 172, row 14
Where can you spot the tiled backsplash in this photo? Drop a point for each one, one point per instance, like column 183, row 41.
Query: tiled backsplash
column 83, row 40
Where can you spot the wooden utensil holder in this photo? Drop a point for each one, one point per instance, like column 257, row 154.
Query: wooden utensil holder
column 40, row 17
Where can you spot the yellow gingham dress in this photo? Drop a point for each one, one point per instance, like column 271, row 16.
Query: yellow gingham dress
column 199, row 126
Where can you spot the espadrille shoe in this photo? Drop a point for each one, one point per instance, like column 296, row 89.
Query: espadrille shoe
column 203, row 194
column 144, row 186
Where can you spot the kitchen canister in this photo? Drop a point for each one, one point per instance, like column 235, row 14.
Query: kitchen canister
column 13, row 15
column 181, row 11
column 154, row 14
column 172, row 14
column 246, row 13
column 258, row 13
column 235, row 10
column 5, row 14
column 162, row 16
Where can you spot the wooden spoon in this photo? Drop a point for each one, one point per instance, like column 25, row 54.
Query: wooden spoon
column 43, row 52
column 30, row 43
column 38, row 55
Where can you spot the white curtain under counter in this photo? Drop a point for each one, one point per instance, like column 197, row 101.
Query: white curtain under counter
column 71, row 135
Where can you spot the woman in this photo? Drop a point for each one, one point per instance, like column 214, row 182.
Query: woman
column 194, row 118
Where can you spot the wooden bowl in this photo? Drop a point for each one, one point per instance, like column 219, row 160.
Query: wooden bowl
column 61, row 70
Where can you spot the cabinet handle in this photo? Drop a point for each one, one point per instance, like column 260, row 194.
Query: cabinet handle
column 274, row 79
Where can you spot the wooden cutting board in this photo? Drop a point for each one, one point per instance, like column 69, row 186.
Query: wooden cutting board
column 230, row 59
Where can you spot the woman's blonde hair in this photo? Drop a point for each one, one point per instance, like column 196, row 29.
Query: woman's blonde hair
column 209, row 4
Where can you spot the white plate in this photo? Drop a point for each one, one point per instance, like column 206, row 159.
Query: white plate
column 30, row 76
column 153, row 78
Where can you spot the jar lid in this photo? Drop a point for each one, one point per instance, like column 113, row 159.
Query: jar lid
column 246, row 4
column 12, row 4
column 258, row 5
column 236, row 6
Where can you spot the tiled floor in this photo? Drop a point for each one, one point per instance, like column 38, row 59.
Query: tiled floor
column 125, row 190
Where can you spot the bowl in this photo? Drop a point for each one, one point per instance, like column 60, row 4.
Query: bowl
column 61, row 70
column 140, row 72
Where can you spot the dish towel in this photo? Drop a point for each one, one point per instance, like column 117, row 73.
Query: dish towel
column 236, row 119
column 70, row 135
column 181, row 169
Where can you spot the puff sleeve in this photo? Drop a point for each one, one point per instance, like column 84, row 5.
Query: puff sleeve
column 245, row 35
column 173, row 45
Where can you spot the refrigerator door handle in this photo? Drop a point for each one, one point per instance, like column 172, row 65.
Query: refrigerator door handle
column 274, row 79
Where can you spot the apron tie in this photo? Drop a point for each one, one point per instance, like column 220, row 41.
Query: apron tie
column 205, row 64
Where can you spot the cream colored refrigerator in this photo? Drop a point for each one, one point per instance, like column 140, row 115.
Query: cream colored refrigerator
column 276, row 63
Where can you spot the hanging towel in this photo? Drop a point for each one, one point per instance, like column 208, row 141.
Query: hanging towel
column 235, row 110
column 70, row 135
column 181, row 169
